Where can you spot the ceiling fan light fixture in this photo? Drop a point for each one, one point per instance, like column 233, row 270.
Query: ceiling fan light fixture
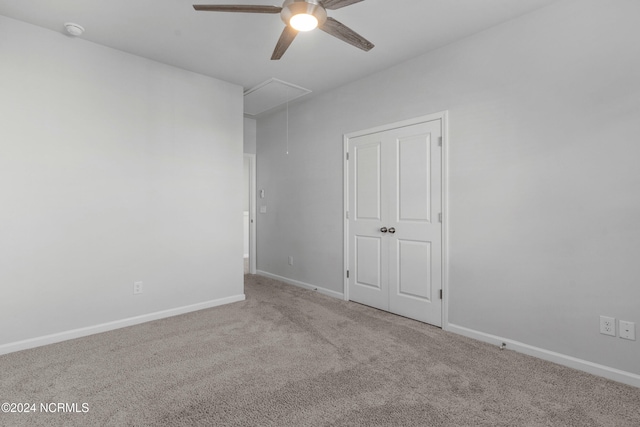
column 303, row 15
column 303, row 22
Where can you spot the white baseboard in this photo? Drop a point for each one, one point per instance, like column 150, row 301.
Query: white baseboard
column 323, row 291
column 561, row 359
column 104, row 327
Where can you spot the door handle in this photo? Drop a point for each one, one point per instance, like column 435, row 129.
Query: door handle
column 384, row 229
column 392, row 230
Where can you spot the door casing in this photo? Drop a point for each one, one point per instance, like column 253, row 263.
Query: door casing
column 443, row 116
column 252, row 211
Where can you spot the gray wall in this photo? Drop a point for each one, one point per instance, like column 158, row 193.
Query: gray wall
column 249, row 148
column 544, row 177
column 113, row 169
column 249, row 135
column 246, row 176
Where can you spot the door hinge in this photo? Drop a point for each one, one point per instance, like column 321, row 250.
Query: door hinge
column 347, row 214
column 347, row 274
column 440, row 293
column 440, row 217
column 347, row 156
column 439, row 141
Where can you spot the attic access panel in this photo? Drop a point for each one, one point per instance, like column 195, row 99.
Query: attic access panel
column 270, row 94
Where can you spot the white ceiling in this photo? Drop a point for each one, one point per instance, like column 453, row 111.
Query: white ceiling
column 236, row 47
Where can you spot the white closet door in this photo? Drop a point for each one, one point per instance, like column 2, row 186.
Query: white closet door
column 415, row 249
column 395, row 235
column 368, row 249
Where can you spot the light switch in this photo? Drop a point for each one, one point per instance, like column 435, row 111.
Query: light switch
column 263, row 209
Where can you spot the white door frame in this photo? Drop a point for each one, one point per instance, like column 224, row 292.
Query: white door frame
column 252, row 212
column 443, row 116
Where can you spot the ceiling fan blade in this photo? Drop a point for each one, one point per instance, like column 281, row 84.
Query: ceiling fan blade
column 284, row 42
column 346, row 34
column 237, row 8
column 337, row 4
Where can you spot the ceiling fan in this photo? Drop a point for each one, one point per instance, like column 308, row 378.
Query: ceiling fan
column 301, row 15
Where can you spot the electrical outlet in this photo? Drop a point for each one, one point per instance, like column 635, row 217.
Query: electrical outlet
column 137, row 288
column 627, row 330
column 290, row 260
column 608, row 325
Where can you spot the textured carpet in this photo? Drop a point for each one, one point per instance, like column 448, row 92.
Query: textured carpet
column 292, row 357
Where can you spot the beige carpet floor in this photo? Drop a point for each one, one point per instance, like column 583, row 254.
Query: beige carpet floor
column 292, row 357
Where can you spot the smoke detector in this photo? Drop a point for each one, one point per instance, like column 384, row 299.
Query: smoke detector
column 74, row 29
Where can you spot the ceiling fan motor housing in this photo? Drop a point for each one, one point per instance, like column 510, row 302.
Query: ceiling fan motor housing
column 291, row 8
